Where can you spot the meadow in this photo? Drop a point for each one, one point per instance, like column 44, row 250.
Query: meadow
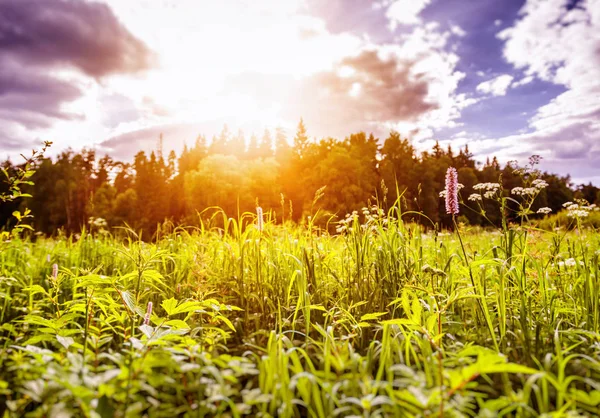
column 245, row 317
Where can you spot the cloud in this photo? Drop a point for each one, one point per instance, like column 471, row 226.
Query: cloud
column 125, row 146
column 12, row 143
column 50, row 50
column 496, row 86
column 405, row 12
column 386, row 89
column 70, row 33
column 33, row 99
column 561, row 44
column 458, row 31
column 409, row 86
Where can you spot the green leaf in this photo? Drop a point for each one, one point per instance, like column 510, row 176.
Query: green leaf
column 172, row 307
column 372, row 316
column 177, row 324
column 169, row 305
column 35, row 289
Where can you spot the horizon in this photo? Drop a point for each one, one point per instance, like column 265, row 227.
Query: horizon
column 508, row 81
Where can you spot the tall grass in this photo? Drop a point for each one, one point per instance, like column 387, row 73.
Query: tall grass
column 383, row 319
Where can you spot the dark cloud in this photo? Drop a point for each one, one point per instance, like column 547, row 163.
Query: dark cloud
column 72, row 33
column 40, row 36
column 379, row 91
column 387, row 91
column 33, row 99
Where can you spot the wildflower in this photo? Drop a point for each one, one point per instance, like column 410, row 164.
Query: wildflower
column 524, row 191
column 579, row 209
column 544, row 210
column 47, row 258
column 570, row 262
column 451, row 191
column 487, row 186
column 539, row 184
column 535, row 159
column 574, row 213
column 148, row 314
column 54, row 271
column 475, row 197
column 489, row 194
column 259, row 219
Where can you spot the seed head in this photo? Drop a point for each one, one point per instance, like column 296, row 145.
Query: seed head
column 259, row 219
column 451, row 191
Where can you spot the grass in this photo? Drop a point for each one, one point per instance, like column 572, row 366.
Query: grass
column 385, row 319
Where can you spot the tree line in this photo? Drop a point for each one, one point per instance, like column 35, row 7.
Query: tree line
column 291, row 178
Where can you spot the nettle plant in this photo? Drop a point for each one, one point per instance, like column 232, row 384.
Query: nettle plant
column 21, row 176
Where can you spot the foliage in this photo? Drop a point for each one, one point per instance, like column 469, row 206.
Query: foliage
column 15, row 179
column 383, row 319
column 275, row 172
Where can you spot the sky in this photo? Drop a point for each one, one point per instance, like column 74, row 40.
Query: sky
column 509, row 78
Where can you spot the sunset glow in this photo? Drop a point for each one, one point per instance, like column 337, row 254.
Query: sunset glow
column 299, row 208
column 432, row 70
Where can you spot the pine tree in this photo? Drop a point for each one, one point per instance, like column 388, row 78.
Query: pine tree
column 300, row 140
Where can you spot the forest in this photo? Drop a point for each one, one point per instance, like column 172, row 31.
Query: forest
column 289, row 177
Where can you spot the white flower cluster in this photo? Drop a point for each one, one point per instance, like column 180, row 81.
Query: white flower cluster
column 488, row 189
column 544, row 210
column 97, row 222
column 487, row 186
column 524, row 191
column 537, row 186
column 372, row 215
column 443, row 192
column 579, row 210
column 345, row 224
column 475, row 197
column 569, row 262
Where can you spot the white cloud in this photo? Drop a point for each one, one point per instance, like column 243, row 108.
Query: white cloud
column 496, row 86
column 563, row 47
column 523, row 81
column 458, row 31
column 405, row 12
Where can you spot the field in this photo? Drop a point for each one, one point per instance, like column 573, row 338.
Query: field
column 382, row 319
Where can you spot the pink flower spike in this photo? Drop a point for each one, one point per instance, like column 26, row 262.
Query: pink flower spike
column 451, row 191
column 148, row 314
